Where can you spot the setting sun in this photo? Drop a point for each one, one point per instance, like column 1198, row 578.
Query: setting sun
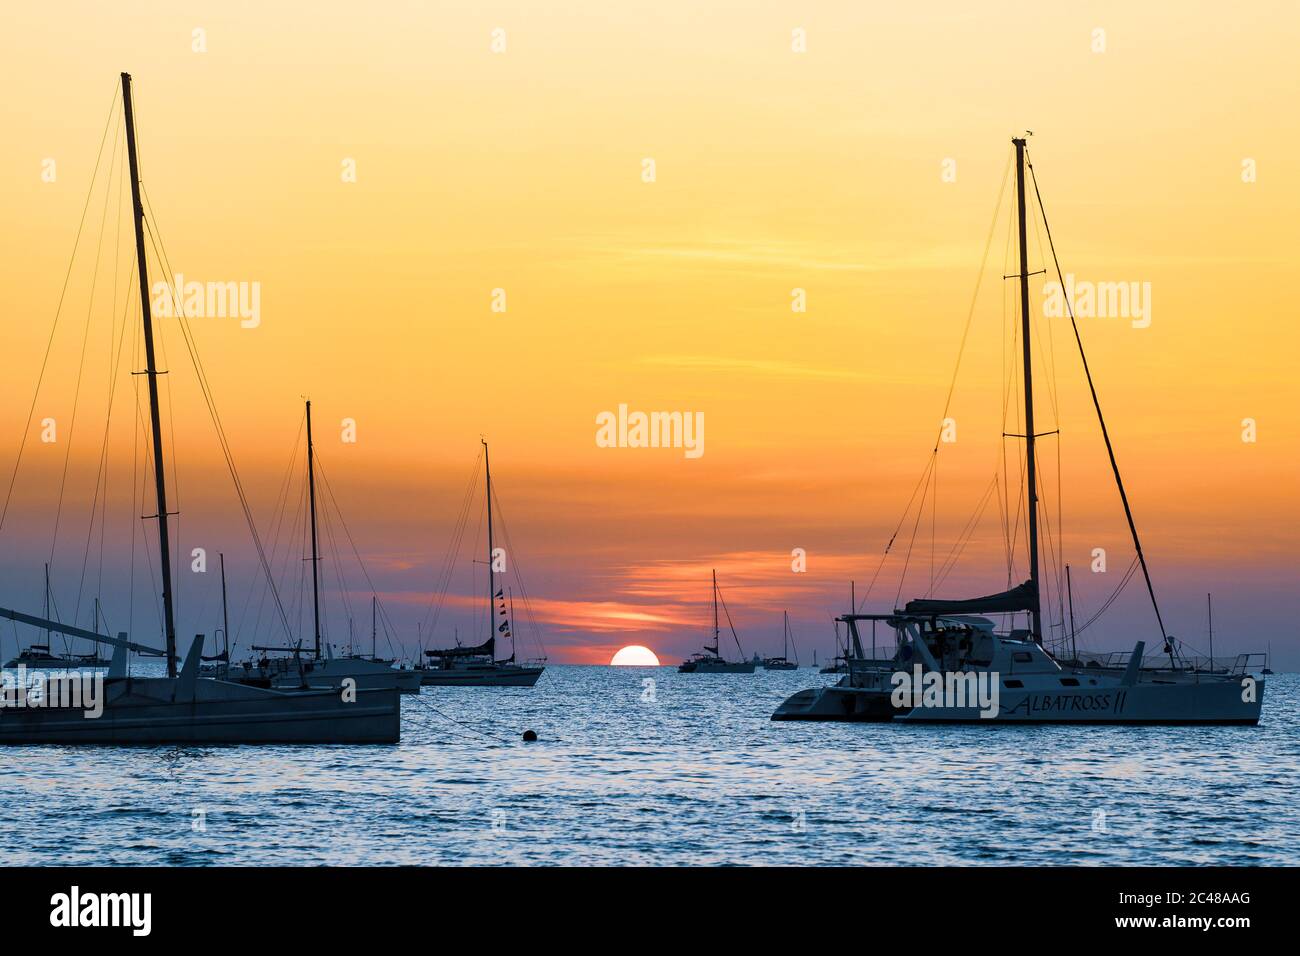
column 634, row 655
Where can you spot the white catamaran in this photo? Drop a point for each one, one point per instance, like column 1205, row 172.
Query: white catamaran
column 951, row 665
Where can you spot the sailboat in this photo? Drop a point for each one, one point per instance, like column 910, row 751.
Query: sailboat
column 783, row 663
column 948, row 650
column 322, row 669
column 41, row 656
column 712, row 661
column 181, row 708
column 478, row 666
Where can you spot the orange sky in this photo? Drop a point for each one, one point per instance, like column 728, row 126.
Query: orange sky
column 775, row 170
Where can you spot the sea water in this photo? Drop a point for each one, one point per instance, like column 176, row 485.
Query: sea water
column 645, row 766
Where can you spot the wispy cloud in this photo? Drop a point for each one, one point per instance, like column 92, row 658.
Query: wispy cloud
column 723, row 364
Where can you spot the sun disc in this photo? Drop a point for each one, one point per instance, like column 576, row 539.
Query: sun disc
column 635, row 655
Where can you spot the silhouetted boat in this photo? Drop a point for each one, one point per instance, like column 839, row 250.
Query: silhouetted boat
column 783, row 663
column 947, row 649
column 183, row 707
column 712, row 661
column 477, row 666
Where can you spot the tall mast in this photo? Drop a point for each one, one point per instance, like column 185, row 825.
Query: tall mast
column 47, row 603
column 785, row 634
column 374, row 630
column 492, row 590
column 1209, row 611
column 225, row 615
column 151, row 372
column 1069, row 590
column 315, row 557
column 1031, row 470
column 717, row 644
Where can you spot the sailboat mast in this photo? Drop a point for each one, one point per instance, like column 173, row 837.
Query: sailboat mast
column 315, row 557
column 47, row 603
column 225, row 614
column 1031, row 471
column 1209, row 611
column 717, row 644
column 492, row 591
column 151, row 373
column 1069, row 590
column 374, row 628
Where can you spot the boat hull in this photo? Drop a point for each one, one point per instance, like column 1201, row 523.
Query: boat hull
column 330, row 672
column 691, row 667
column 1175, row 703
column 487, row 677
column 141, row 711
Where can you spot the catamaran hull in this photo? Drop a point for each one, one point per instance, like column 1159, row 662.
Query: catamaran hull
column 1223, row 702
column 504, row 677
column 140, row 711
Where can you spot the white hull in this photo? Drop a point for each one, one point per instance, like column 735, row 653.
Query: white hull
column 1218, row 702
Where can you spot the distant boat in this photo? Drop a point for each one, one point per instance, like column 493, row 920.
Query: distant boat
column 947, row 649
column 183, row 707
column 839, row 663
column 477, row 666
column 39, row 656
column 711, row 661
column 783, row 663
column 322, row 669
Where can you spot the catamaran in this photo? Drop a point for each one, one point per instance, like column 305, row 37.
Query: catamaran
column 947, row 649
column 712, row 661
column 182, row 707
column 478, row 666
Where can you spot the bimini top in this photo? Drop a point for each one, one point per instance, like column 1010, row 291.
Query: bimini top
column 1021, row 598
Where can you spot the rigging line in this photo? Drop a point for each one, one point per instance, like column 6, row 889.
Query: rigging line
column 277, row 524
column 519, row 575
column 76, row 395
column 49, row 346
column 210, row 400
column 1119, row 588
column 967, row 532
column 920, row 511
column 1096, row 402
column 970, row 315
column 81, row 361
column 433, row 610
column 101, row 473
column 734, row 636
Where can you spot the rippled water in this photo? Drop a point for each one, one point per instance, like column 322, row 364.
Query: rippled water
column 691, row 773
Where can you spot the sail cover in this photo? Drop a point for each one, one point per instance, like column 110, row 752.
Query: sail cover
column 486, row 649
column 1023, row 597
